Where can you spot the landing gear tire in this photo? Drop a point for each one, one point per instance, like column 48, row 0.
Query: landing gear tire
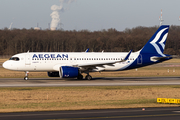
column 26, row 75
column 88, row 77
column 26, row 78
column 80, row 77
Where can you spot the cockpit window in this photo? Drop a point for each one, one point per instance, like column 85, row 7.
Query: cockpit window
column 14, row 58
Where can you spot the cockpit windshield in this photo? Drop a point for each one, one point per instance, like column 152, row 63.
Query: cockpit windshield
column 14, row 58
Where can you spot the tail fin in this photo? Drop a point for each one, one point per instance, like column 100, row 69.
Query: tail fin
column 157, row 42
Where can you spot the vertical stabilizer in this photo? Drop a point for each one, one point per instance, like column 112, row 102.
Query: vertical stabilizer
column 157, row 42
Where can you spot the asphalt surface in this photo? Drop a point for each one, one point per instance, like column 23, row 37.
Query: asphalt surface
column 118, row 81
column 109, row 114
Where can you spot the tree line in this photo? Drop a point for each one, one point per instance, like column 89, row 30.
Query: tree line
column 23, row 40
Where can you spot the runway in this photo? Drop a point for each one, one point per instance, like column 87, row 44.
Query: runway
column 116, row 81
column 109, row 114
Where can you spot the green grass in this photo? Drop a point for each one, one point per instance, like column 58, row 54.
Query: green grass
column 16, row 99
column 76, row 104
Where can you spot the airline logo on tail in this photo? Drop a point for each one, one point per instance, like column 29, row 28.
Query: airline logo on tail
column 159, row 46
column 156, row 44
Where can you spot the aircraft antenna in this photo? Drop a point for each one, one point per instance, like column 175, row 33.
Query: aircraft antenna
column 160, row 18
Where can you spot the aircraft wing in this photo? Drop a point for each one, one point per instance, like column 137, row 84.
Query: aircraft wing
column 100, row 64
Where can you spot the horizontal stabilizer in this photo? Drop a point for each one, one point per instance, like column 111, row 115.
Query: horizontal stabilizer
column 161, row 58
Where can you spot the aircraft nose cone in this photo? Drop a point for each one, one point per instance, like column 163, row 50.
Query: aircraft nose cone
column 5, row 65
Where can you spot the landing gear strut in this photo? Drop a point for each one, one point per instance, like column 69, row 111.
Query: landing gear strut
column 26, row 75
column 88, row 77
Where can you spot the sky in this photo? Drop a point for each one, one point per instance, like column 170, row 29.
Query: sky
column 92, row 15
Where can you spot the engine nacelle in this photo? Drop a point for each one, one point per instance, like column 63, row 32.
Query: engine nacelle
column 53, row 74
column 68, row 72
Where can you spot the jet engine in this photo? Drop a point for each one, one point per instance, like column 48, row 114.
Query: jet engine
column 69, row 72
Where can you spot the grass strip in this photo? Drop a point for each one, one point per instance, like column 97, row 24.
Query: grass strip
column 18, row 99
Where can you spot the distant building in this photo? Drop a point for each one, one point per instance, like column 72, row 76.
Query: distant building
column 37, row 28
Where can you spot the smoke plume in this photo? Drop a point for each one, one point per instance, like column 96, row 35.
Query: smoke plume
column 55, row 15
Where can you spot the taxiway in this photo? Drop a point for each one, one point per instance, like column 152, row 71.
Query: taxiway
column 109, row 114
column 117, row 81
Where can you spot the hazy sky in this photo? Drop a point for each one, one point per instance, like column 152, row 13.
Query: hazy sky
column 92, row 15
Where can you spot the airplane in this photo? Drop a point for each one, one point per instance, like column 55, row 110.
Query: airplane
column 73, row 64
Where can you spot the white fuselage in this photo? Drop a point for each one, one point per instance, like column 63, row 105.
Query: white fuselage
column 52, row 61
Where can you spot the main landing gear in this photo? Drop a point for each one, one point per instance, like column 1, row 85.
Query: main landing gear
column 88, row 77
column 26, row 75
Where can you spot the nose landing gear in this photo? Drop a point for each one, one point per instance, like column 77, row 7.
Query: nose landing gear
column 26, row 75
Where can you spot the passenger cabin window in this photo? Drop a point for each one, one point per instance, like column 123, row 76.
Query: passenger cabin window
column 14, row 58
